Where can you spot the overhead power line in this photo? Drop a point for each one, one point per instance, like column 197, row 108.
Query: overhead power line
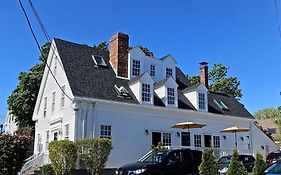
column 36, row 40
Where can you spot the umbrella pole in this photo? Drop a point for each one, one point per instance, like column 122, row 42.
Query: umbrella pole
column 235, row 140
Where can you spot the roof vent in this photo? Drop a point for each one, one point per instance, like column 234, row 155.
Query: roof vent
column 99, row 61
column 122, row 92
column 221, row 105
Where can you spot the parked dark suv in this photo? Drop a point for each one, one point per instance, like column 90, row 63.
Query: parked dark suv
column 165, row 162
column 247, row 160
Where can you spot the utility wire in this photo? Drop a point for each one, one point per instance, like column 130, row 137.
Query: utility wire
column 38, row 46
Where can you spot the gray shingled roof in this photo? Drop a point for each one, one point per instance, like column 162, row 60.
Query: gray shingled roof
column 88, row 80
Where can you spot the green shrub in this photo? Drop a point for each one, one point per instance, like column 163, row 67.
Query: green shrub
column 94, row 153
column 209, row 165
column 259, row 166
column 47, row 169
column 63, row 155
column 13, row 152
column 236, row 167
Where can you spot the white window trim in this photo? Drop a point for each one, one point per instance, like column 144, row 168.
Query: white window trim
column 105, row 136
column 45, row 107
column 166, row 73
column 62, row 99
column 152, row 72
column 136, row 68
column 150, row 93
column 200, row 102
column 53, row 101
column 66, row 137
column 174, row 96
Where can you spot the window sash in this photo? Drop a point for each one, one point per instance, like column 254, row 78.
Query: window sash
column 169, row 72
column 136, row 68
column 167, row 139
column 66, row 135
column 216, row 141
column 201, row 100
column 152, row 70
column 105, row 131
column 146, row 92
column 197, row 141
column 62, row 97
column 53, row 101
column 171, row 96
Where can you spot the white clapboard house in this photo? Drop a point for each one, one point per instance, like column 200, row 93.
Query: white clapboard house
column 134, row 100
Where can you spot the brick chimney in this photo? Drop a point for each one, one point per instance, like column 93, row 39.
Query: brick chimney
column 204, row 73
column 118, row 53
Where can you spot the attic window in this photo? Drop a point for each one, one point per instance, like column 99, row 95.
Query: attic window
column 221, row 105
column 99, row 61
column 122, row 92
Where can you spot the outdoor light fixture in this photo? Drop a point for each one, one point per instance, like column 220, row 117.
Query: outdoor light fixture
column 242, row 138
column 178, row 134
column 262, row 147
column 146, row 131
column 224, row 137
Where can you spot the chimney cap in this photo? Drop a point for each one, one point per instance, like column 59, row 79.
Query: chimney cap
column 203, row 63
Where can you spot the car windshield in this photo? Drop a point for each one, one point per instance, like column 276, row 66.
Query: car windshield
column 224, row 160
column 275, row 168
column 153, row 157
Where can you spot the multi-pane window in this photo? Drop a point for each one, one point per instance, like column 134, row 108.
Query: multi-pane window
column 152, row 70
column 62, row 99
column 146, row 92
column 169, row 72
column 216, row 140
column 53, row 101
column 47, row 139
column 105, row 131
column 171, row 96
column 39, row 143
column 167, row 139
column 197, row 140
column 201, row 100
column 66, row 132
column 136, row 68
column 45, row 107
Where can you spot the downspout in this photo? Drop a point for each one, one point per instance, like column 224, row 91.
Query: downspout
column 251, row 140
column 94, row 119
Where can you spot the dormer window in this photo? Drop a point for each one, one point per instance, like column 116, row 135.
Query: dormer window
column 136, row 68
column 152, row 70
column 169, row 72
column 171, row 96
column 201, row 99
column 146, row 92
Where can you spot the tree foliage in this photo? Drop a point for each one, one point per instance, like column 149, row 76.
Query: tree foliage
column 63, row 155
column 236, row 167
column 268, row 113
column 102, row 46
column 13, row 152
column 259, row 166
column 47, row 169
column 94, row 153
column 22, row 101
column 209, row 165
column 220, row 82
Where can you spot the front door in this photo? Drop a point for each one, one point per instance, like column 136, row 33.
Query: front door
column 156, row 138
column 207, row 141
column 55, row 136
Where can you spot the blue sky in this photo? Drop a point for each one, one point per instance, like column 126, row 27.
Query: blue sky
column 240, row 34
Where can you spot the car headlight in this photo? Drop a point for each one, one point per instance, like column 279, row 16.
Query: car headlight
column 138, row 171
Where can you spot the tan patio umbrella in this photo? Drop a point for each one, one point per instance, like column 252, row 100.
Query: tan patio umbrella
column 187, row 125
column 235, row 129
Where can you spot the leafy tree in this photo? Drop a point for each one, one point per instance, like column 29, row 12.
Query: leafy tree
column 146, row 51
column 219, row 82
column 268, row 113
column 102, row 46
column 63, row 155
column 209, row 165
column 47, row 169
column 236, row 167
column 94, row 154
column 259, row 166
column 13, row 152
column 22, row 101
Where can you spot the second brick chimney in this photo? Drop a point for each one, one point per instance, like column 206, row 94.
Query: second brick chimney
column 204, row 73
column 118, row 53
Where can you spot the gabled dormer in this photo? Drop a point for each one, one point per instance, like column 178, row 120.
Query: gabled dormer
column 198, row 96
column 167, row 91
column 142, row 87
column 169, row 66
